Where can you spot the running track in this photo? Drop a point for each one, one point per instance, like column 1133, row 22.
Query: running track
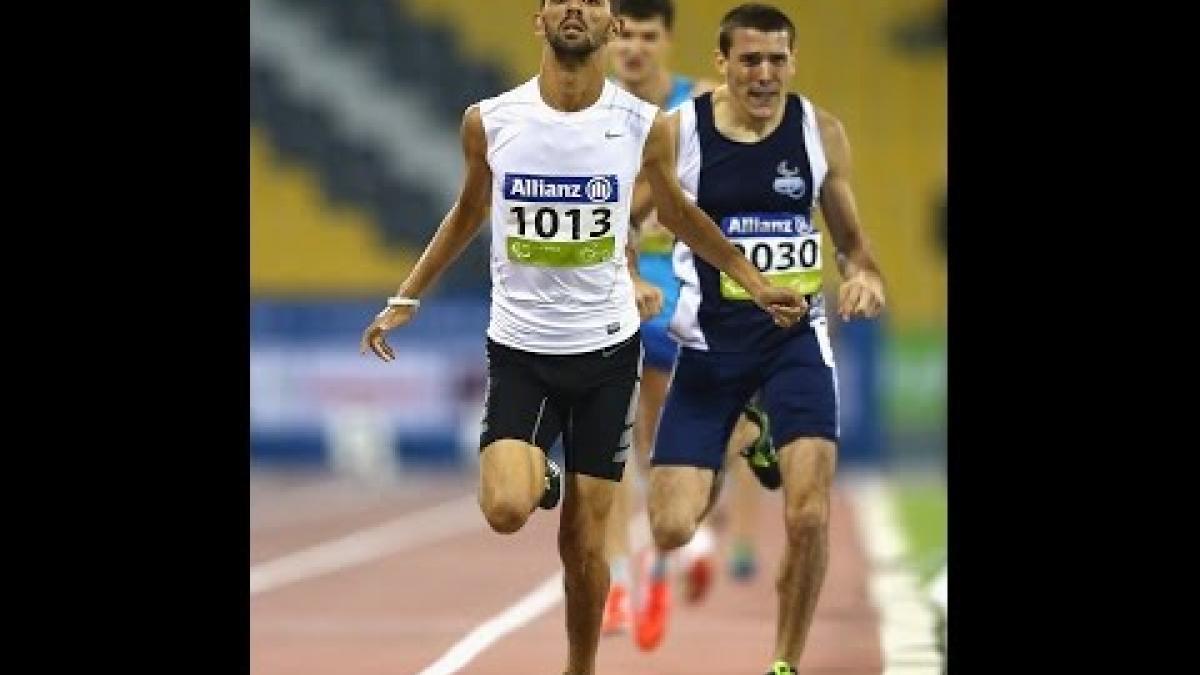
column 348, row 579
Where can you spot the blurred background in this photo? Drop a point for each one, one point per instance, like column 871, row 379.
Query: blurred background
column 354, row 159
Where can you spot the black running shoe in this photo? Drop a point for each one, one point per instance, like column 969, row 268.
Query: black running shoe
column 761, row 457
column 553, row 486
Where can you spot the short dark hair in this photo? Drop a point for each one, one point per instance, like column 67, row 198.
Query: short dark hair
column 648, row 9
column 758, row 16
column 615, row 4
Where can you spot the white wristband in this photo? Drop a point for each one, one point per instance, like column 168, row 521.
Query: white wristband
column 401, row 301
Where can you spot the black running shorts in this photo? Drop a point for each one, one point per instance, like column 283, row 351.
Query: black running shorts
column 589, row 398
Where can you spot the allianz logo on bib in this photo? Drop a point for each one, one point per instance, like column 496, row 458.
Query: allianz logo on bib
column 766, row 224
column 564, row 189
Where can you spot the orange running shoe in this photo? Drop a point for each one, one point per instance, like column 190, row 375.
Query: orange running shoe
column 616, row 610
column 650, row 618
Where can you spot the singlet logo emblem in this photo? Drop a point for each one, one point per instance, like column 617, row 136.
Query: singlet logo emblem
column 789, row 182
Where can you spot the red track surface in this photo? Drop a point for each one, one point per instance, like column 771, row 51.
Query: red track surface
column 397, row 614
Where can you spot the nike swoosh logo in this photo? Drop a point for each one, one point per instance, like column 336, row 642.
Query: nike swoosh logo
column 609, row 134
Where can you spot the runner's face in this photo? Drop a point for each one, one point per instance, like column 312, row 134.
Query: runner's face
column 757, row 71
